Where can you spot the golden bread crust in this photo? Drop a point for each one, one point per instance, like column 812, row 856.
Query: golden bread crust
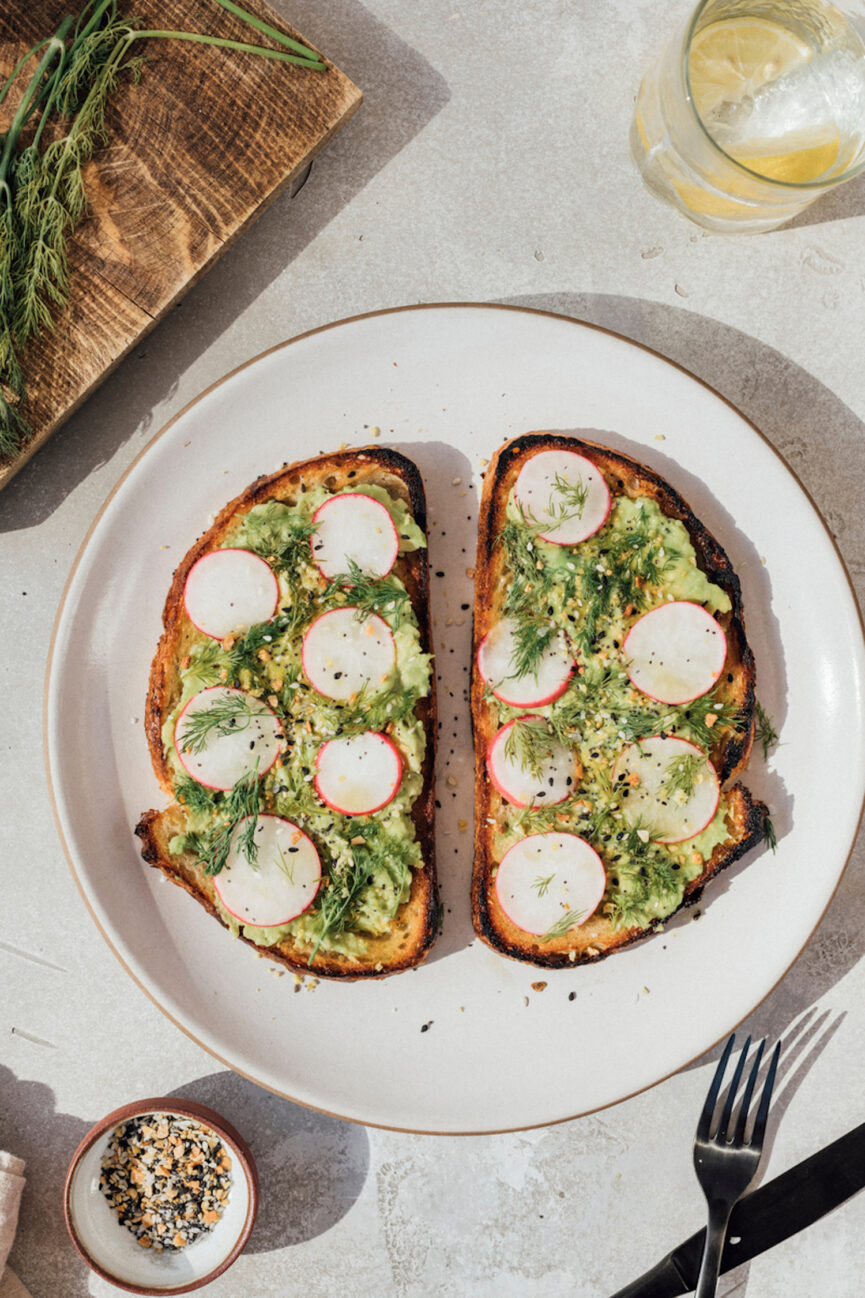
column 417, row 919
column 597, row 937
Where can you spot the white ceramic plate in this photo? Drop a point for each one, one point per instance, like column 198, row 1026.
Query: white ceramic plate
column 448, row 385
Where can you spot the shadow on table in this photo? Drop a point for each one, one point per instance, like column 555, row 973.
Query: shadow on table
column 403, row 92
column 839, row 204
column 452, row 505
column 801, row 1046
column 32, row 1129
column 822, row 442
column 311, row 1167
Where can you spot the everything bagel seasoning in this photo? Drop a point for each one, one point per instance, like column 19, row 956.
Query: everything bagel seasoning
column 167, row 1178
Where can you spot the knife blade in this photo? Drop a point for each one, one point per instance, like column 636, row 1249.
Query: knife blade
column 765, row 1217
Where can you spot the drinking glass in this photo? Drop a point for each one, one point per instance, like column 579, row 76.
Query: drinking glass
column 752, row 111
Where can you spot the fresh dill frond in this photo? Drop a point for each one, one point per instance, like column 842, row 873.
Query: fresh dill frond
column 533, row 636
column 43, row 196
column 224, row 716
column 194, row 797
column 260, row 635
column 372, row 708
column 765, row 733
column 568, row 919
column 542, row 885
column 242, row 803
column 681, row 774
column 386, row 596
column 281, row 535
column 529, row 743
column 701, row 720
column 285, row 866
column 205, row 664
column 538, row 819
column 769, row 836
column 568, row 499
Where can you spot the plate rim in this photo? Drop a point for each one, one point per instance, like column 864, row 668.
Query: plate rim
column 83, row 547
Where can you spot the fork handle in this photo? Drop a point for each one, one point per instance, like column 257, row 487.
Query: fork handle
column 710, row 1264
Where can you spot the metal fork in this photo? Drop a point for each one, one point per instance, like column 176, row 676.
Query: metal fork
column 726, row 1164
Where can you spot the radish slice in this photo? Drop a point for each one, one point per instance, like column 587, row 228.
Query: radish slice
column 567, row 517
column 354, row 526
column 675, row 652
column 516, row 783
column 359, row 774
column 645, row 775
column 280, row 882
column 342, row 653
column 230, row 590
column 546, row 877
column 244, row 736
column 495, row 664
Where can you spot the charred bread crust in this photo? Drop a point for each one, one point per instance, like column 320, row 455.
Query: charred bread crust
column 402, row 950
column 746, row 819
column 416, row 922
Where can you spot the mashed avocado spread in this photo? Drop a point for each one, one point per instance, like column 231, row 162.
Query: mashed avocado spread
column 593, row 592
column 367, row 861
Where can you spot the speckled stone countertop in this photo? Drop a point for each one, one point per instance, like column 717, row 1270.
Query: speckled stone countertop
column 488, row 163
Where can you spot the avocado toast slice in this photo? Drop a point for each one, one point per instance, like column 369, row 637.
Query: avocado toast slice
column 336, row 884
column 606, row 757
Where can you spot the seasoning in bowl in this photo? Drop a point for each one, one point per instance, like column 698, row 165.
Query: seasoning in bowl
column 167, row 1178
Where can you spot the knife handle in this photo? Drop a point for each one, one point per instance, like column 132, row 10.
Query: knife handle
column 663, row 1281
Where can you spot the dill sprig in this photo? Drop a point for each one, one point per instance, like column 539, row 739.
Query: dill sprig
column 770, row 838
column 529, row 743
column 42, row 189
column 567, row 920
column 242, row 803
column 681, row 773
column 205, row 665
column 372, row 708
column 378, row 852
column 541, row 885
column 765, row 733
column 386, row 596
column 193, row 796
column 222, row 717
column 280, row 535
column 700, row 721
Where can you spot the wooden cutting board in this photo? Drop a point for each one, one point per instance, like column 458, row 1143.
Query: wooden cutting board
column 200, row 147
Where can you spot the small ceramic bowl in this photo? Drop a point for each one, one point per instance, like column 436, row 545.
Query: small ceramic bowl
column 113, row 1251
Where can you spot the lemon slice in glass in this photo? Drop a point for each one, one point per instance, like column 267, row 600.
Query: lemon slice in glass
column 731, row 59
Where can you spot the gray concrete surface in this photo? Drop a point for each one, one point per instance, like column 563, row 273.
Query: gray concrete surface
column 489, row 163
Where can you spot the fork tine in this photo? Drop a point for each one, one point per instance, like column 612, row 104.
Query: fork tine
column 739, row 1134
column 765, row 1099
column 721, row 1133
column 709, row 1107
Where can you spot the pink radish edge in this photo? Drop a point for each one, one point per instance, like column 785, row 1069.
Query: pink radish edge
column 674, row 703
column 346, row 495
column 671, row 842
column 602, row 879
column 496, row 783
column 370, row 810
column 297, row 913
column 550, row 540
column 225, row 549
column 182, row 714
column 530, row 703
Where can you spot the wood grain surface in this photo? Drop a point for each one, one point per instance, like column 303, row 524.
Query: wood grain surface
column 204, row 142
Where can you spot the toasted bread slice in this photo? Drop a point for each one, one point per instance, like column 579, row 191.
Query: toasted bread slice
column 728, row 708
column 413, row 926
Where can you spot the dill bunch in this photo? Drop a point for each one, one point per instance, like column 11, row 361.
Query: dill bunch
column 59, row 122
